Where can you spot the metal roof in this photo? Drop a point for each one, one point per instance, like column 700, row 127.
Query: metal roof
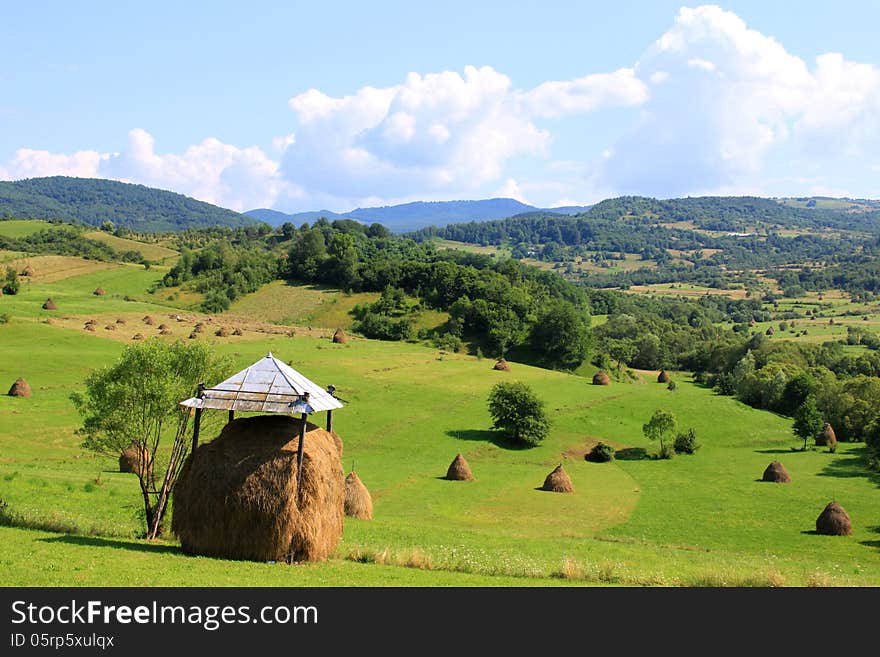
column 267, row 386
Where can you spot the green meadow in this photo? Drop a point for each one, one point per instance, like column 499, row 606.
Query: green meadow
column 70, row 518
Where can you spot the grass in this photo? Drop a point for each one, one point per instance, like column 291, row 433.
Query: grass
column 152, row 252
column 16, row 228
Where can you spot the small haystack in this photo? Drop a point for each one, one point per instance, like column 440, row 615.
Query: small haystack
column 165, row 331
column 358, row 501
column 601, row 379
column 237, row 331
column 99, row 292
column 27, row 271
column 137, row 336
column 121, row 321
column 339, row 336
column 459, row 470
column 149, row 321
column 663, row 377
column 236, row 495
column 134, row 458
column 89, row 327
column 198, row 328
column 162, row 327
column 222, row 332
column 777, row 473
column 20, row 389
column 49, row 305
column 502, row 365
column 834, row 521
column 92, row 321
column 110, row 327
column 826, row 437
column 770, row 331
column 558, row 481
column 193, row 335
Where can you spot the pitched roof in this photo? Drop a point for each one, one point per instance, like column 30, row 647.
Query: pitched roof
column 267, row 386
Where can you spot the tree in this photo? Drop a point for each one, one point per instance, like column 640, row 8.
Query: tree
column 135, row 401
column 808, row 420
column 561, row 335
column 518, row 412
column 12, row 284
column 661, row 424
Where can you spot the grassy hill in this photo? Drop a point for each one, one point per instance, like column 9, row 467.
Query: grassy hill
column 706, row 519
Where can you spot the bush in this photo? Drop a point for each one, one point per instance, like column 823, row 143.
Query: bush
column 518, row 412
column 686, row 442
column 601, row 453
column 667, row 451
column 671, row 385
column 4, row 318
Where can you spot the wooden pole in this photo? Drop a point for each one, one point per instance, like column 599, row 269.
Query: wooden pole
column 299, row 456
column 197, row 421
column 231, row 415
column 329, row 420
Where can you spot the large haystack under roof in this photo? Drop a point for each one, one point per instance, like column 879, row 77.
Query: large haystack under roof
column 834, row 521
column 358, row 501
column 236, row 497
column 459, row 470
column 558, row 481
column 20, row 389
column 777, row 473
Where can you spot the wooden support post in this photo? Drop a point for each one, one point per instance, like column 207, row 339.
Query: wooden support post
column 196, row 422
column 299, row 455
column 231, row 415
column 329, row 420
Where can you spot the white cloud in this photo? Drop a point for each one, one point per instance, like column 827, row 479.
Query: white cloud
column 511, row 189
column 618, row 89
column 28, row 163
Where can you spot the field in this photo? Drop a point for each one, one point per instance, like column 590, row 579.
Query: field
column 152, row 252
column 703, row 520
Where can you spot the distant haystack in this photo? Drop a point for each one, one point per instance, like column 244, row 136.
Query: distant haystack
column 776, row 473
column 20, row 389
column 137, row 336
column 120, row 321
column 162, row 327
column 236, row 497
column 49, row 305
column 826, row 437
column 27, row 271
column 339, row 337
column 601, row 379
column 149, row 321
column 502, row 365
column 134, row 458
column 237, row 331
column 222, row 332
column 89, row 327
column 834, row 521
column 198, row 328
column 165, row 331
column 558, row 481
column 663, row 377
column 99, row 292
column 770, row 331
column 358, row 501
column 110, row 327
column 459, row 470
column 193, row 335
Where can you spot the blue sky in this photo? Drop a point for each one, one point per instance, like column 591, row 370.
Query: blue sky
column 336, row 105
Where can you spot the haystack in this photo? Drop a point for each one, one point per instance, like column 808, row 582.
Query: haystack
column 28, row 271
column 91, row 321
column 193, row 335
column 162, row 327
column 49, row 305
column 459, row 470
column 20, row 389
column 134, row 459
column 236, row 495
column 110, row 327
column 165, row 331
column 770, row 331
column 149, row 321
column 137, row 336
column 601, row 379
column 237, row 331
column 121, row 321
column 99, row 292
column 89, row 327
column 198, row 328
column 558, row 481
column 777, row 473
column 222, row 332
column 834, row 521
column 339, row 336
column 663, row 377
column 502, row 365
column 826, row 437
column 358, row 501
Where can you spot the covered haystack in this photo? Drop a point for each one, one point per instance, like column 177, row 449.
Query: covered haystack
column 99, row 292
column 663, row 377
column 502, row 365
column 459, row 470
column 601, row 379
column 237, row 331
column 137, row 336
column 27, row 271
column 236, row 495
column 149, row 321
column 222, row 332
column 339, row 336
column 777, row 473
column 558, row 481
column 20, row 389
column 826, row 437
column 49, row 305
column 834, row 521
column 134, row 458
column 358, row 501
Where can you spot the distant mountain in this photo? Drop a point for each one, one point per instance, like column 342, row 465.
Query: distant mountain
column 93, row 201
column 412, row 216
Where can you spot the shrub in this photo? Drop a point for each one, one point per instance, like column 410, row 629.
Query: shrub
column 671, row 385
column 667, row 451
column 518, row 412
column 686, row 442
column 601, row 453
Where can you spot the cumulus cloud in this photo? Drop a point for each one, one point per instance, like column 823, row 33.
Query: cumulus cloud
column 28, row 163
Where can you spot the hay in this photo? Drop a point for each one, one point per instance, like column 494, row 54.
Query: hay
column 222, row 332
column 49, row 305
column 826, row 437
column 121, row 321
column 237, row 331
column 134, row 459
column 165, row 331
column 601, row 379
column 502, row 365
column 663, row 377
column 137, row 336
column 770, row 331
column 236, row 495
column 776, row 473
column 149, row 321
column 459, row 470
column 99, row 292
column 110, row 327
column 358, row 502
column 834, row 521
column 558, row 481
column 339, row 336
column 89, row 327
column 198, row 328
column 20, row 389
column 27, row 271
column 162, row 327
column 193, row 335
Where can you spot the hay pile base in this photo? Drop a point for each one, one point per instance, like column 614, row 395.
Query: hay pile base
column 236, row 496
column 339, row 336
column 459, row 470
column 558, row 481
column 834, row 521
column 502, row 365
column 134, row 459
column 601, row 379
column 826, row 437
column 99, row 292
column 49, row 305
column 777, row 473
column 358, row 501
column 20, row 389
column 663, row 377
column 149, row 321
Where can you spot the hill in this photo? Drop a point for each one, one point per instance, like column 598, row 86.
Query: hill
column 93, row 201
